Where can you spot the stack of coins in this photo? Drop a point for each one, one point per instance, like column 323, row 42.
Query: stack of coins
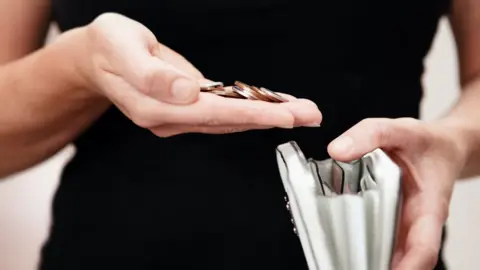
column 243, row 91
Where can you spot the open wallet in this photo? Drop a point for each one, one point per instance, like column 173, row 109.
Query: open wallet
column 345, row 214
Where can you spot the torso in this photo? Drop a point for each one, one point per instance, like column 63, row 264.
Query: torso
column 130, row 200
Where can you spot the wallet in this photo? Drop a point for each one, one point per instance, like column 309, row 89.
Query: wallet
column 345, row 214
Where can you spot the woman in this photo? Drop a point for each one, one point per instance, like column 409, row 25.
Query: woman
column 152, row 187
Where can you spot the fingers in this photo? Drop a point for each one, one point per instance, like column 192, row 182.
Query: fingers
column 128, row 49
column 305, row 112
column 223, row 111
column 396, row 259
column 373, row 133
column 419, row 239
column 423, row 243
column 171, row 130
column 157, row 78
column 178, row 61
column 400, row 239
column 362, row 138
column 287, row 96
column 209, row 110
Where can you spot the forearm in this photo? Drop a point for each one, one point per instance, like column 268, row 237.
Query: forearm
column 43, row 105
column 463, row 124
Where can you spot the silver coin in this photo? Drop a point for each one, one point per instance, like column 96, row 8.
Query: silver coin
column 211, row 86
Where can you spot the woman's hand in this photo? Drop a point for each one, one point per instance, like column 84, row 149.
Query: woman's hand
column 159, row 90
column 431, row 161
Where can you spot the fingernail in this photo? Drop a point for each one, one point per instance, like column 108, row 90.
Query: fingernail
column 343, row 144
column 183, row 90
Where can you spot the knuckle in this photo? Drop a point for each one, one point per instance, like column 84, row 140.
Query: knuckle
column 106, row 18
column 100, row 24
column 99, row 33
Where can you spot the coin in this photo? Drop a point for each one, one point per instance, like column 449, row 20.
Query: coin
column 226, row 92
column 242, row 90
column 264, row 96
column 211, row 86
column 252, row 91
column 231, row 93
column 272, row 95
column 217, row 92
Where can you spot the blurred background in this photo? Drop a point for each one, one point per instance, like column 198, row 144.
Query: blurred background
column 25, row 198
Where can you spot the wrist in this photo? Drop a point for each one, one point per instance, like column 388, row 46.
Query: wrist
column 70, row 54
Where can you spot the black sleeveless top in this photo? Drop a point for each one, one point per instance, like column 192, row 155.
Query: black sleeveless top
column 130, row 200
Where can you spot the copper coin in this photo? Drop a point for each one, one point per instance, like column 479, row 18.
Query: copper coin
column 264, row 96
column 240, row 84
column 247, row 88
column 231, row 93
column 244, row 93
column 217, row 92
column 211, row 86
column 226, row 92
column 252, row 93
column 273, row 96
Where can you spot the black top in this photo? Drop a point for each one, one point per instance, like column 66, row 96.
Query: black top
column 131, row 200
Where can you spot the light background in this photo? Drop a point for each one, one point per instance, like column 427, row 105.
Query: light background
column 26, row 197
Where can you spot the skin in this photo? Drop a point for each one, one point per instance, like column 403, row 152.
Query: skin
column 49, row 95
column 432, row 155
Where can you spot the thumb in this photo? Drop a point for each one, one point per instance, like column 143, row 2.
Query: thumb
column 159, row 79
column 132, row 52
column 175, row 59
column 366, row 136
